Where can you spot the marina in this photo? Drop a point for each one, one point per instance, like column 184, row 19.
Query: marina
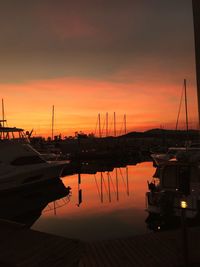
column 101, row 229
column 126, row 193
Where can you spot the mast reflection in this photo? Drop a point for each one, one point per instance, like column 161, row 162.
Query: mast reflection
column 107, row 176
column 106, row 188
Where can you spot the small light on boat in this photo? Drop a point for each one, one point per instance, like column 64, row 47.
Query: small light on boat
column 158, row 227
column 176, row 189
column 183, row 204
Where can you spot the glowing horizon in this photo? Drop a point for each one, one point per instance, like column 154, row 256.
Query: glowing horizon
column 127, row 57
column 78, row 109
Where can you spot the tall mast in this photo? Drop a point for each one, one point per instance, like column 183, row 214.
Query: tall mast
column 179, row 109
column 114, row 124
column 186, row 110
column 52, row 129
column 124, row 123
column 99, row 119
column 196, row 17
column 3, row 116
column 106, row 124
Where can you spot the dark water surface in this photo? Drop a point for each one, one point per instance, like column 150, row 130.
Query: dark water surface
column 106, row 212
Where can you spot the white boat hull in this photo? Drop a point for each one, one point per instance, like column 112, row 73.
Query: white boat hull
column 18, row 179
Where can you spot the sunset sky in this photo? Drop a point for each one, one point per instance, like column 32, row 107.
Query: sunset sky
column 95, row 56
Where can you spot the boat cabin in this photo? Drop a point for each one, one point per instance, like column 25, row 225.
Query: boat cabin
column 180, row 177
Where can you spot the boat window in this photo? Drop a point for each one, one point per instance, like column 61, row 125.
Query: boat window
column 27, row 160
column 169, row 179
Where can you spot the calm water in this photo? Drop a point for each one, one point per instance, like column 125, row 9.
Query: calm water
column 106, row 212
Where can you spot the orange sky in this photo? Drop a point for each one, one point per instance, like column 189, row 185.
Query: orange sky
column 29, row 105
column 127, row 56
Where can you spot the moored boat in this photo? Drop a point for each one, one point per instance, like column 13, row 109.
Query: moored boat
column 177, row 180
column 21, row 164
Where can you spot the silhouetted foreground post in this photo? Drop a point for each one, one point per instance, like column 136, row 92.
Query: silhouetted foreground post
column 196, row 15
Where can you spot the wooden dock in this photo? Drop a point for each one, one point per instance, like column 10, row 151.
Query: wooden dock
column 22, row 247
column 28, row 248
column 153, row 250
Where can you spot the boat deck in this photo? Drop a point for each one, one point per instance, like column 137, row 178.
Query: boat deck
column 23, row 247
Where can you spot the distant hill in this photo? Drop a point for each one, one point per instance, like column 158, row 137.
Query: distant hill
column 192, row 134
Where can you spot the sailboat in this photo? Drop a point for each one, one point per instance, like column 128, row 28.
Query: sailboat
column 179, row 179
column 173, row 152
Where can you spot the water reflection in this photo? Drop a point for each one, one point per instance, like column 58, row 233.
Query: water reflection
column 94, row 166
column 25, row 206
column 107, row 200
column 107, row 204
column 107, row 184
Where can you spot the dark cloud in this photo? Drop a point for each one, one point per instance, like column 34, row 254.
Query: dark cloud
column 47, row 39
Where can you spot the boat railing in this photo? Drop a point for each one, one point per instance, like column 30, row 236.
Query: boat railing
column 13, row 133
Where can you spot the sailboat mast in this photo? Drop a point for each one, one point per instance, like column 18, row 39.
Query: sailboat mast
column 179, row 109
column 186, row 110
column 196, row 18
column 124, row 123
column 99, row 119
column 3, row 115
column 114, row 124
column 106, row 124
column 52, row 129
